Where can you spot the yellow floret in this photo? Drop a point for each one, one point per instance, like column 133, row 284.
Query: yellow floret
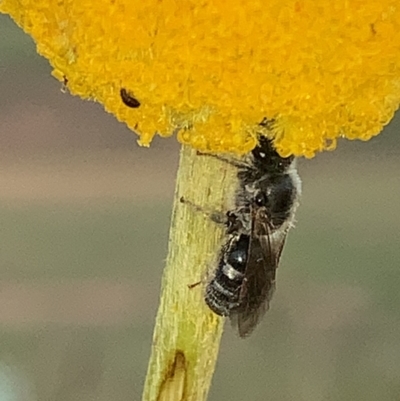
column 210, row 71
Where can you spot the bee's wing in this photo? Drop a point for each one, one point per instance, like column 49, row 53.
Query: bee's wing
column 258, row 285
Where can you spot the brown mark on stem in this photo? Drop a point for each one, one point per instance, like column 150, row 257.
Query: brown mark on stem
column 173, row 386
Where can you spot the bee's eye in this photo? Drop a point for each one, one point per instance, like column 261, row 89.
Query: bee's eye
column 260, row 199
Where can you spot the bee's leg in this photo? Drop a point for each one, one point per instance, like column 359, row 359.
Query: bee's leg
column 191, row 286
column 233, row 162
column 234, row 224
column 215, row 216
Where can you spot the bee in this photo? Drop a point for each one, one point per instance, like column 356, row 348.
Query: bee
column 256, row 229
column 128, row 99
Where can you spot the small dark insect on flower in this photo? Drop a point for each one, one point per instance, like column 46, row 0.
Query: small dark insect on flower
column 128, row 99
column 256, row 228
column 64, row 85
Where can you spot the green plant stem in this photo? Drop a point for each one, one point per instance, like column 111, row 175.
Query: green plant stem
column 187, row 334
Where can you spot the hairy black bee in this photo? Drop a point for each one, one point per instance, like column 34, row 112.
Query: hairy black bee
column 257, row 225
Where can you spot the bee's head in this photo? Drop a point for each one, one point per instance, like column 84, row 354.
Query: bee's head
column 267, row 158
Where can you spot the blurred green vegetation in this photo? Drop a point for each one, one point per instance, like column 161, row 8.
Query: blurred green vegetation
column 69, row 241
column 15, row 45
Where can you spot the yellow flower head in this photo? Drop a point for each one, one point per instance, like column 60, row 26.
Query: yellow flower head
column 211, row 71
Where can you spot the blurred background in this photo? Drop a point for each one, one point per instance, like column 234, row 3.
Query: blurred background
column 84, row 219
